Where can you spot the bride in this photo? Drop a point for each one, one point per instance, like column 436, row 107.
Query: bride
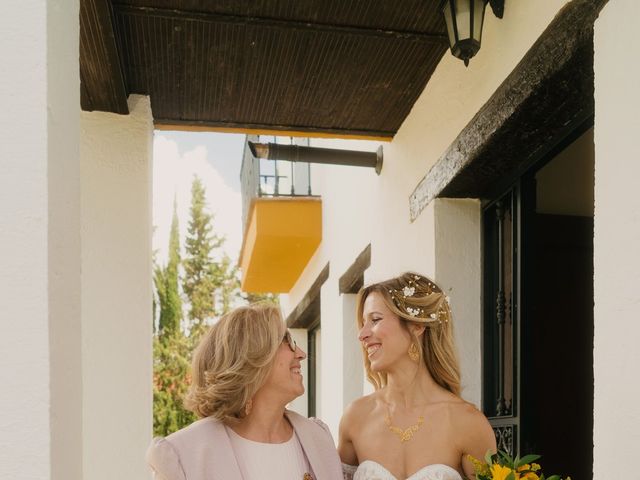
column 414, row 426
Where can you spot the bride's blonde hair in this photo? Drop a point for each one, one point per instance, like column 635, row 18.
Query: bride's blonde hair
column 417, row 299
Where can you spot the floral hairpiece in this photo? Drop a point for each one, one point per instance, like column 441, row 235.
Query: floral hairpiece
column 416, row 289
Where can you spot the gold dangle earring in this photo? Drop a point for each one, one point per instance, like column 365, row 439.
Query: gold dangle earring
column 414, row 352
column 247, row 407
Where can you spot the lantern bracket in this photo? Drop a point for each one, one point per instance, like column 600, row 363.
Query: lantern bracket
column 498, row 7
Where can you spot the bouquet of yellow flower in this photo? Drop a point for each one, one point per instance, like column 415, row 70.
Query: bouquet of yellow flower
column 501, row 466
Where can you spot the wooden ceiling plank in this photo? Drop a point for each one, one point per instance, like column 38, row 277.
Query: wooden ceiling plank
column 278, row 130
column 243, row 70
column 100, row 65
column 429, row 37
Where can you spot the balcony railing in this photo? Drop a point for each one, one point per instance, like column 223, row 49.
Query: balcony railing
column 272, row 178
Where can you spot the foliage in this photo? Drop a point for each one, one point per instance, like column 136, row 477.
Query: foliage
column 171, row 354
column 203, row 276
column 501, row 466
column 166, row 282
column 211, row 285
column 261, row 297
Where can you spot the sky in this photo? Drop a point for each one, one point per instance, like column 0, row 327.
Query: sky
column 216, row 159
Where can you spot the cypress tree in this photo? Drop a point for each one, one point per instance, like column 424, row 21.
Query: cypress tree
column 203, row 276
column 166, row 280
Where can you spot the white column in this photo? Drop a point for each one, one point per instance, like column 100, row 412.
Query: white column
column 459, row 273
column 40, row 362
column 616, row 240
column 116, row 152
column 353, row 368
column 300, row 404
column 331, row 361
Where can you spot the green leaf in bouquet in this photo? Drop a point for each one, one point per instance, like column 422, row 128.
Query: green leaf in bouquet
column 554, row 477
column 508, row 461
column 488, row 457
column 511, row 476
column 526, row 459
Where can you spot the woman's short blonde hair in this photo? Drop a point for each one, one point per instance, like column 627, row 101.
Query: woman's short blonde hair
column 233, row 360
column 417, row 299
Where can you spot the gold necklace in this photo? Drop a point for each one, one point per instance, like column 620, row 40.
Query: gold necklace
column 406, row 434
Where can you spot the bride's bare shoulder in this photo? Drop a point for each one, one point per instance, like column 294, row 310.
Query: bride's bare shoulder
column 457, row 412
column 360, row 409
column 471, row 424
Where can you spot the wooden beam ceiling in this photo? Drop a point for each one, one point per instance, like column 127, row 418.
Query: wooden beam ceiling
column 319, row 67
column 102, row 82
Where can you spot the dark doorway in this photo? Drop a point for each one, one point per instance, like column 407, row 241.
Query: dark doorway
column 558, row 359
column 558, row 353
column 538, row 342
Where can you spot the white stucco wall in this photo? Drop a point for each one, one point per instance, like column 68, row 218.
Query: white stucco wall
column 352, row 366
column 116, row 154
column 361, row 208
column 40, row 405
column 459, row 270
column 616, row 239
column 300, row 404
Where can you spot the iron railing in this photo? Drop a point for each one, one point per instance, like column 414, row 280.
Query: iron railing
column 260, row 177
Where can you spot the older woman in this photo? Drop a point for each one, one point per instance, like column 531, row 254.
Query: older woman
column 415, row 425
column 245, row 371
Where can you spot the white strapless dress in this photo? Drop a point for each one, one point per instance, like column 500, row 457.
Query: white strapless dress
column 370, row 470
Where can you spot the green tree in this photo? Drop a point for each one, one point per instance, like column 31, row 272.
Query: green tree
column 211, row 285
column 171, row 361
column 171, row 348
column 166, row 281
column 209, row 279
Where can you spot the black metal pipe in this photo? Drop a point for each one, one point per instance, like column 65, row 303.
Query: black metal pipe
column 326, row 156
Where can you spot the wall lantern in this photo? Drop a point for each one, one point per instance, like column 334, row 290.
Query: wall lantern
column 464, row 19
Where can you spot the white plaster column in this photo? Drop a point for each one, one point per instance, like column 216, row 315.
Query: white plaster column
column 300, row 404
column 116, row 153
column 331, row 364
column 458, row 272
column 616, row 433
column 40, row 362
column 353, row 368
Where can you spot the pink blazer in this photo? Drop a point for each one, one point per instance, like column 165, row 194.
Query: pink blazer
column 202, row 451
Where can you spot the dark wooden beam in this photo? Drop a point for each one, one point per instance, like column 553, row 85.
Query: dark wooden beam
column 103, row 85
column 166, row 124
column 308, row 309
column 241, row 20
column 353, row 279
column 548, row 95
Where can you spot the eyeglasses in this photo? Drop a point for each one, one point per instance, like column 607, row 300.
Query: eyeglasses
column 290, row 341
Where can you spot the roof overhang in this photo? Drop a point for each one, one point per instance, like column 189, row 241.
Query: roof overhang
column 310, row 67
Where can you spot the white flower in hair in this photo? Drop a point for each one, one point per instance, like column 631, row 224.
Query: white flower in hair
column 413, row 311
column 408, row 291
